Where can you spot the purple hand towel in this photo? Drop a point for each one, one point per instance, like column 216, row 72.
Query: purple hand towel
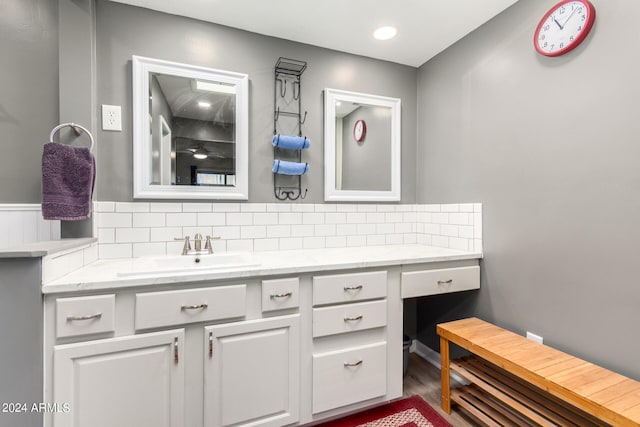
column 68, row 177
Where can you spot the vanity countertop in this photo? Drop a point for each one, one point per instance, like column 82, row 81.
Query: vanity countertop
column 107, row 274
column 41, row 249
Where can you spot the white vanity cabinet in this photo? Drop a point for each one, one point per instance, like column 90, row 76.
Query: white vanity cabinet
column 252, row 371
column 273, row 350
column 352, row 336
column 127, row 381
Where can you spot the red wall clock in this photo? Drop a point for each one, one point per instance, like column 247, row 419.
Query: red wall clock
column 564, row 27
column 359, row 130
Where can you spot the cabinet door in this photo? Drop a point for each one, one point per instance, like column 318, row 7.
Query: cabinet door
column 252, row 372
column 132, row 381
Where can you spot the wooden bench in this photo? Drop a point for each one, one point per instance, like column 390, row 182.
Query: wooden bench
column 515, row 381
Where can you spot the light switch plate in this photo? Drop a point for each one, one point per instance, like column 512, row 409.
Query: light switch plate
column 111, row 117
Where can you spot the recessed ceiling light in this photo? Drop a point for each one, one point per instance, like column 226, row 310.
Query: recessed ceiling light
column 203, row 104
column 385, row 33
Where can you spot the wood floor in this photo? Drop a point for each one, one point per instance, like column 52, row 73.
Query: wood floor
column 424, row 379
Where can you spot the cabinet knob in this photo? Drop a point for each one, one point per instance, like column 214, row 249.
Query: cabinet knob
column 353, row 288
column 353, row 319
column 195, row 307
column 445, row 282
column 351, row 364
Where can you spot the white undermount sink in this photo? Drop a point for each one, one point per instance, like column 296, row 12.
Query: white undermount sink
column 189, row 263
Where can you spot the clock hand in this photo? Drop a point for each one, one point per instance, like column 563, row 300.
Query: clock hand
column 557, row 23
column 567, row 20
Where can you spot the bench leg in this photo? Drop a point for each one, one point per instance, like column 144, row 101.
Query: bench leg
column 444, row 375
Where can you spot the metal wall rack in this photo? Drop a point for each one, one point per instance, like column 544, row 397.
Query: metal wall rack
column 288, row 119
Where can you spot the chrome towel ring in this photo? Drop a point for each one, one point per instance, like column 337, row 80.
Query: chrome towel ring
column 75, row 128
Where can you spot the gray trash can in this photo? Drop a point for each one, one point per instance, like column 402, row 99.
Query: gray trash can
column 406, row 343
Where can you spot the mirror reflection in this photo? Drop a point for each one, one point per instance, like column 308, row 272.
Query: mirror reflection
column 363, row 135
column 362, row 147
column 193, row 142
column 193, row 136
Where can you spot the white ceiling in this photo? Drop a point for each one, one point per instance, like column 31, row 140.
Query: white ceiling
column 425, row 27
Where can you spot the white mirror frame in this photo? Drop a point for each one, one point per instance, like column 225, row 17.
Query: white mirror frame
column 331, row 193
column 142, row 189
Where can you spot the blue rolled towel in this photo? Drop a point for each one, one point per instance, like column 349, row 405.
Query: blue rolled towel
column 291, row 142
column 289, row 168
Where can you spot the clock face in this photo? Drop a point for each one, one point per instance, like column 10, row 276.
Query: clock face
column 564, row 27
column 359, row 130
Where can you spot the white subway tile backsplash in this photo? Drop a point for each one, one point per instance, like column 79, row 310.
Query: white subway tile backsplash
column 335, row 218
column 279, row 230
column 131, row 235
column 196, row 207
column 312, row 218
column 211, row 218
column 121, row 250
column 165, row 234
column 253, row 232
column 225, row 207
column 253, row 207
column 165, row 207
column 132, row 207
column 336, row 241
column 460, row 218
column 306, row 230
column 278, row 207
column 313, row 242
column 265, row 218
column 126, row 229
column 290, row 218
column 149, row 249
column 240, row 245
column 266, row 245
column 302, row 208
column 189, row 219
column 149, row 219
column 290, row 243
column 115, row 220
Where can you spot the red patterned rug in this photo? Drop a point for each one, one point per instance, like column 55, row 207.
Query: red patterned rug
column 410, row 412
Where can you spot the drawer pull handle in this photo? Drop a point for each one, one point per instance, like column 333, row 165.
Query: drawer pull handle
column 351, row 364
column 195, row 307
column 87, row 317
column 284, row 295
column 445, row 282
column 353, row 288
column 175, row 350
column 353, row 319
column 210, row 345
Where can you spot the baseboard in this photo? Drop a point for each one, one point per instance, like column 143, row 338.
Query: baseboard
column 433, row 357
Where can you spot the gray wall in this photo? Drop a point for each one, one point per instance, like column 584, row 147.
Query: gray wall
column 365, row 165
column 123, row 31
column 551, row 147
column 21, row 317
column 28, row 94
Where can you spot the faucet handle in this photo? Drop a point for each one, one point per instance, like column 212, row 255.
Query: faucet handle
column 187, row 244
column 207, row 244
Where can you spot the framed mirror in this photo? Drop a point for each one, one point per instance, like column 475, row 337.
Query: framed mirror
column 190, row 131
column 362, row 137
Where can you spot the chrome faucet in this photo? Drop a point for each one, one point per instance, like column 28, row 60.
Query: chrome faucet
column 197, row 241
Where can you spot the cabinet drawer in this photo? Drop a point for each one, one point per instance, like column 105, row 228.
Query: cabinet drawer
column 348, row 376
column 279, row 294
column 85, row 315
column 155, row 309
column 349, row 287
column 440, row 281
column 349, row 318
